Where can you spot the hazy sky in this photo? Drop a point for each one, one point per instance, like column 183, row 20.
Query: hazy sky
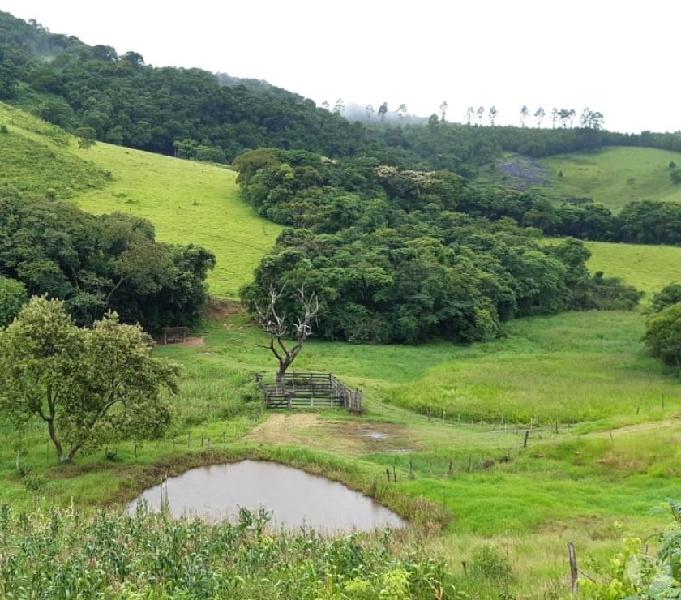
column 619, row 57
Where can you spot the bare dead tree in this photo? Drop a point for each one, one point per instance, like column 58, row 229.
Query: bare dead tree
column 279, row 329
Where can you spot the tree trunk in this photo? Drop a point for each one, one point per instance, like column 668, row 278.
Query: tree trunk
column 55, row 441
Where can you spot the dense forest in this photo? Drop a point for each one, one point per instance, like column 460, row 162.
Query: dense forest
column 96, row 264
column 394, row 258
column 195, row 114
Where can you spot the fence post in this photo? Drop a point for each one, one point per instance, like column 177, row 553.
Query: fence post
column 527, row 437
column 574, row 573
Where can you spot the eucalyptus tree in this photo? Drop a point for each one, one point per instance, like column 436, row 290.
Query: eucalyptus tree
column 383, row 110
column 554, row 117
column 524, row 113
column 564, row 116
column 572, row 113
column 402, row 111
column 481, row 114
column 369, row 109
column 493, row 112
column 443, row 110
column 470, row 111
column 539, row 114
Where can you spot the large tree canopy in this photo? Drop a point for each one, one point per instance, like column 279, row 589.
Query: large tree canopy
column 89, row 386
column 100, row 263
column 401, row 255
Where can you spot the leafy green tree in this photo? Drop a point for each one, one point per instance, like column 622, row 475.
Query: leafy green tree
column 89, row 386
column 663, row 335
column 87, row 137
column 524, row 113
column 668, row 295
column 12, row 297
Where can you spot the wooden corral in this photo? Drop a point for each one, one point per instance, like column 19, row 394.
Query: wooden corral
column 174, row 335
column 309, row 390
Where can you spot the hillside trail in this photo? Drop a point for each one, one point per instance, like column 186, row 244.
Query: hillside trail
column 637, row 428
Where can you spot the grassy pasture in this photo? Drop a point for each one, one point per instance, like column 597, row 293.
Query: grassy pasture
column 648, row 268
column 187, row 202
column 614, row 457
column 571, row 485
column 614, row 176
column 35, row 158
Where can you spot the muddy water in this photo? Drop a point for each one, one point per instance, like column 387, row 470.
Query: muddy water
column 294, row 498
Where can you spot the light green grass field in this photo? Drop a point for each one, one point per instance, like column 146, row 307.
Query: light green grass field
column 614, row 176
column 187, row 202
column 35, row 158
column 571, row 485
column 648, row 268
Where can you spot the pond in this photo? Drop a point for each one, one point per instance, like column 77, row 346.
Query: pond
column 294, row 498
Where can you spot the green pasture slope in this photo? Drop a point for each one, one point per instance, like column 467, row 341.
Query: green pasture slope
column 614, row 176
column 605, row 441
column 187, row 202
column 648, row 268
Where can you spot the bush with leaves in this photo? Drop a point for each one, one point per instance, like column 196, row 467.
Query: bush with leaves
column 663, row 335
column 57, row 554
column 634, row 574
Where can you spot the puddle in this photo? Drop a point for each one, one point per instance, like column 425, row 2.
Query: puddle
column 294, row 498
column 376, row 435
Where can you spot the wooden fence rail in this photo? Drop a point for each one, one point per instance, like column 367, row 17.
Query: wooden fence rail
column 313, row 390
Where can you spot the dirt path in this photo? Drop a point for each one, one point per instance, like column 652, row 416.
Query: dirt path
column 347, row 436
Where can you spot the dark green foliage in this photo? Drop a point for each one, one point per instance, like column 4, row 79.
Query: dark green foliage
column 98, row 263
column 675, row 176
column 153, row 556
column 12, row 297
column 663, row 335
column 670, row 294
column 87, row 136
column 394, row 258
column 207, row 117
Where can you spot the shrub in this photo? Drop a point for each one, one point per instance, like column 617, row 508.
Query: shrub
column 663, row 335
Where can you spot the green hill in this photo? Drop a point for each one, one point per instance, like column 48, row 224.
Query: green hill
column 188, row 202
column 614, row 176
column 648, row 268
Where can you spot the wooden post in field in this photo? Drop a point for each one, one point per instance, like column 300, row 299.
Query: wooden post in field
column 574, row 574
column 394, row 474
column 387, row 472
column 527, row 437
